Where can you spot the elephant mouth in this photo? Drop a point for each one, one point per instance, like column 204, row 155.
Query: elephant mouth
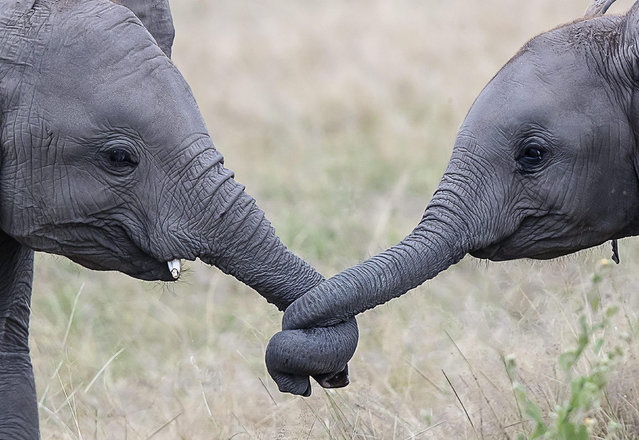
column 154, row 271
column 139, row 265
column 144, row 263
column 506, row 251
column 536, row 241
column 147, row 267
column 110, row 248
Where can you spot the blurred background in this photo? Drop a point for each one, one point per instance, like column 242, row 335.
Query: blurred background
column 339, row 117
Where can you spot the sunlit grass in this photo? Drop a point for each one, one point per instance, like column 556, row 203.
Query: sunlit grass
column 339, row 117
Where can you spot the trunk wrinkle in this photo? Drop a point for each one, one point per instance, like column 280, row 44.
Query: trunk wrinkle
column 243, row 243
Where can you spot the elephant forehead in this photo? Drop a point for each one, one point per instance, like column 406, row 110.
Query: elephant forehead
column 143, row 101
column 550, row 89
column 110, row 72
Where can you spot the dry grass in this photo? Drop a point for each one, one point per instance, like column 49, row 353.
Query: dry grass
column 339, row 117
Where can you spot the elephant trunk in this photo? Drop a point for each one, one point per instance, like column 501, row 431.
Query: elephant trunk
column 235, row 235
column 423, row 254
column 244, row 245
column 314, row 323
column 208, row 215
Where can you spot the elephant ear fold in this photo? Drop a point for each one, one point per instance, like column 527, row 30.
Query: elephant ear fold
column 631, row 28
column 155, row 15
column 628, row 43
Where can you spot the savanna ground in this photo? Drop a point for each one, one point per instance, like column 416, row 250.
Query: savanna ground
column 339, row 116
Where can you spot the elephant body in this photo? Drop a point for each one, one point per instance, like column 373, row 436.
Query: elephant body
column 546, row 163
column 105, row 159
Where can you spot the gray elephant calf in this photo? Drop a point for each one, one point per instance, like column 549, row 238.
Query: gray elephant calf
column 105, row 159
column 546, row 163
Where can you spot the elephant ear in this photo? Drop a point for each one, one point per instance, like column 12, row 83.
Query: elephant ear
column 598, row 7
column 155, row 15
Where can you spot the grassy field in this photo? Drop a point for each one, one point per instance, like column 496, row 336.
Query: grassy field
column 339, row 116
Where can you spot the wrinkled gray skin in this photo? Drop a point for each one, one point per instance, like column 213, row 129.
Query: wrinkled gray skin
column 545, row 164
column 105, row 159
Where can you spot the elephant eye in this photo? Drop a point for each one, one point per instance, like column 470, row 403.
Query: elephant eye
column 120, row 158
column 533, row 154
column 531, row 158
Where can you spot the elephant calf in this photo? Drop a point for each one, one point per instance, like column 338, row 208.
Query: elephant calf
column 105, row 159
column 546, row 163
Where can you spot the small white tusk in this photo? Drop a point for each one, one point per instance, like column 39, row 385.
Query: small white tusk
column 174, row 268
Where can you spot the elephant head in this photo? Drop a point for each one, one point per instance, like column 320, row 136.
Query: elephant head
column 105, row 159
column 545, row 163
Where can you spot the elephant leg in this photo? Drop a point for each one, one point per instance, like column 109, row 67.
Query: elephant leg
column 18, row 403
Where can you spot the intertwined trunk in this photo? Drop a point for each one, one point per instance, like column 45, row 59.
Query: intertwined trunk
column 316, row 335
column 237, row 237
